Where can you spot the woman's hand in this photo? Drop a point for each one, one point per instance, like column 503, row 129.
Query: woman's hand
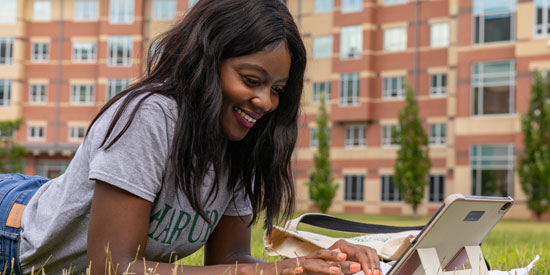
column 366, row 256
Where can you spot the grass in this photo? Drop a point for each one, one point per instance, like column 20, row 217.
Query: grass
column 511, row 244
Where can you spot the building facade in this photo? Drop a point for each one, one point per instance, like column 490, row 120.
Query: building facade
column 470, row 63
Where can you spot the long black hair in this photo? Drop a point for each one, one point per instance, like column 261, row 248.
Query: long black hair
column 185, row 64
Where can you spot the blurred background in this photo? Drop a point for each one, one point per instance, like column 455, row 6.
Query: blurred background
column 469, row 62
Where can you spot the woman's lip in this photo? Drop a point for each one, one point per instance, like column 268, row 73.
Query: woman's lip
column 245, row 123
column 251, row 114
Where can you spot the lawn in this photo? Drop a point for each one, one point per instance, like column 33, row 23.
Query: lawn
column 511, row 244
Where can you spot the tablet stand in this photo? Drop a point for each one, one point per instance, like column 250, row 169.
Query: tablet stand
column 431, row 264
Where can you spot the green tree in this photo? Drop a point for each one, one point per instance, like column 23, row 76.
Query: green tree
column 322, row 187
column 11, row 154
column 413, row 163
column 534, row 164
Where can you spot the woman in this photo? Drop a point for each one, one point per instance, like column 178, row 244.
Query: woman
column 187, row 156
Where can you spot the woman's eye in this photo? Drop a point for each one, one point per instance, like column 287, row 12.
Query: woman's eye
column 251, row 81
column 278, row 90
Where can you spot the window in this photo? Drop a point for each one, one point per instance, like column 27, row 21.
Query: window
column 438, row 84
column 493, row 87
column 36, row 132
column 86, row 10
column 439, row 35
column 493, row 20
column 393, row 87
column 492, row 170
column 120, row 51
column 42, row 10
column 354, row 187
column 8, row 12
column 389, row 136
column 349, row 89
column 322, row 46
column 192, row 3
column 121, row 11
column 5, row 92
column 314, row 138
column 82, row 94
column 355, row 136
column 395, row 39
column 6, row 50
column 51, row 168
column 115, row 86
column 40, row 52
column 437, row 188
column 542, row 17
column 324, row 5
column 390, row 192
column 6, row 134
column 321, row 88
column 394, row 1
column 84, row 52
column 164, row 9
column 438, row 133
column 38, row 94
column 351, row 42
column 352, row 6
column 77, row 133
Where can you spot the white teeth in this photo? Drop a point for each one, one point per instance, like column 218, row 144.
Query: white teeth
column 245, row 116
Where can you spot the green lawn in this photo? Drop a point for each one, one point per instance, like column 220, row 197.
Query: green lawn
column 511, row 244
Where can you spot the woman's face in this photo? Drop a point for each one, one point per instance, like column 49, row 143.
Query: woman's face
column 251, row 85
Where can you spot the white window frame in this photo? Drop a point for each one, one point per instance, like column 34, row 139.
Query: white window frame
column 438, row 134
column 5, row 97
column 351, row 42
column 349, row 181
column 113, row 84
column 543, row 29
column 355, row 136
column 78, row 50
column 76, row 97
column 323, row 6
column 395, row 39
column 164, row 9
column 321, row 88
column 386, row 184
column 127, row 51
column 7, row 43
column 345, row 99
column 86, row 10
column 314, row 139
column 438, row 87
column 387, row 137
column 439, row 35
column 349, row 6
column 481, row 80
column 36, row 132
column 8, row 12
column 7, row 134
column 40, row 52
column 38, row 94
column 77, row 133
column 121, row 11
column 42, row 10
column 479, row 162
column 479, row 11
column 388, row 92
column 394, row 2
column 436, row 189
column 322, row 46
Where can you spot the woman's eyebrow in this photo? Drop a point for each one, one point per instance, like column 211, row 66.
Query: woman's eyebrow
column 260, row 69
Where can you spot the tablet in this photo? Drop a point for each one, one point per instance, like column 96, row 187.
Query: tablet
column 460, row 222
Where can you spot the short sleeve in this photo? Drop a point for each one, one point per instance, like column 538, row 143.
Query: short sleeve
column 137, row 162
column 239, row 204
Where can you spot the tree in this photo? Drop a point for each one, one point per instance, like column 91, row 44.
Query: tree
column 322, row 187
column 413, row 163
column 11, row 154
column 534, row 164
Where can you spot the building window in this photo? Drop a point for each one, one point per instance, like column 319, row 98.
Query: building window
column 324, row 5
column 493, row 20
column 389, row 136
column 355, row 136
column 492, row 170
column 438, row 84
column 40, row 52
column 42, row 10
column 86, row 10
column 438, row 133
column 51, row 168
column 77, row 133
column 84, row 52
column 115, row 86
column 542, row 17
column 38, row 94
column 349, row 89
column 120, row 51
column 493, row 87
column 8, row 12
column 36, row 132
column 351, row 42
column 322, row 46
column 354, row 187
column 437, row 188
column 394, row 1
column 5, row 92
column 393, row 87
column 390, row 192
column 352, row 6
column 6, row 50
column 192, row 3
column 7, row 134
column 395, row 39
column 121, row 11
column 82, row 94
column 164, row 9
column 314, row 138
column 439, row 35
column 321, row 88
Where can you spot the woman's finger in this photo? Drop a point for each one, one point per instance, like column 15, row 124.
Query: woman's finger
column 372, row 255
column 356, row 254
column 333, row 255
column 317, row 266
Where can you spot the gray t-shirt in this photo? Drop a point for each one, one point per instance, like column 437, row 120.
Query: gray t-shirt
column 55, row 222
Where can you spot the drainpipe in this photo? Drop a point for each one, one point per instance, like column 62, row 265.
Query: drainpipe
column 58, row 80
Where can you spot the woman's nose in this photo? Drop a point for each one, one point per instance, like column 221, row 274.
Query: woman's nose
column 265, row 101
